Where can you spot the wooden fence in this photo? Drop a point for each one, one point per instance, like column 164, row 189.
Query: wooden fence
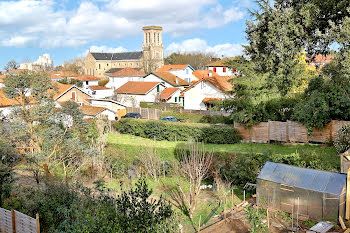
column 289, row 131
column 146, row 113
column 16, row 222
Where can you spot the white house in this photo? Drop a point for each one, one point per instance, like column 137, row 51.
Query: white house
column 167, row 79
column 60, row 75
column 201, row 94
column 132, row 93
column 94, row 112
column 88, row 80
column 171, row 95
column 100, row 91
column 183, row 71
column 122, row 76
column 221, row 68
column 109, row 104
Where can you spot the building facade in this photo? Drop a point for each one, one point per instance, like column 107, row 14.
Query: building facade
column 151, row 57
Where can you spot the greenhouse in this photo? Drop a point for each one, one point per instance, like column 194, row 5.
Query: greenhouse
column 308, row 193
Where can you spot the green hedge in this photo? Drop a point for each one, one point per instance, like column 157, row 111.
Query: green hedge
column 176, row 131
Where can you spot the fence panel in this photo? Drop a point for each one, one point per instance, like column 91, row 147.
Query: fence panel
column 278, row 131
column 297, row 132
column 23, row 223
column 322, row 136
column 336, row 126
column 257, row 133
column 146, row 113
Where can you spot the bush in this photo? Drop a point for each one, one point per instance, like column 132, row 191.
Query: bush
column 342, row 140
column 175, row 131
column 216, row 119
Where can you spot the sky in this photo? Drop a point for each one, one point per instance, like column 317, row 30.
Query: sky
column 67, row 29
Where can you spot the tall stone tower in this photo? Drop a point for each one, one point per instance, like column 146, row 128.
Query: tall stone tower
column 152, row 47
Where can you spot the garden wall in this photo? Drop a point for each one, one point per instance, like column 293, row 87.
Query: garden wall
column 289, row 131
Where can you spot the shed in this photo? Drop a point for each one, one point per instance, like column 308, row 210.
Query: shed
column 321, row 194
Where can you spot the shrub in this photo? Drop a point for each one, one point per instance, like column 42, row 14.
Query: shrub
column 175, row 131
column 216, row 119
column 342, row 140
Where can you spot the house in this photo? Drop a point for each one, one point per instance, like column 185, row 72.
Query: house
column 100, row 91
column 221, row 67
column 88, row 80
column 150, row 58
column 6, row 104
column 132, row 93
column 67, row 92
column 183, row 71
column 95, row 112
column 2, row 81
column 122, row 76
column 61, row 75
column 171, row 95
column 201, row 94
column 319, row 60
column 201, row 74
column 167, row 79
column 111, row 104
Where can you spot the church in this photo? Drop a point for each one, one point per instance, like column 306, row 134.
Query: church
column 150, row 59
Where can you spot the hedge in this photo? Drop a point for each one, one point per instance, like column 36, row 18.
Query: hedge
column 176, row 131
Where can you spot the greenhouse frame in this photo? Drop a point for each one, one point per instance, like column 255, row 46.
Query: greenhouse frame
column 308, row 193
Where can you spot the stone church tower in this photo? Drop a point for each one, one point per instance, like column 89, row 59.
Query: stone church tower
column 152, row 48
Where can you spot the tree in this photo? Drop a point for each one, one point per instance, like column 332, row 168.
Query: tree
column 11, row 65
column 7, row 161
column 38, row 130
column 74, row 65
column 194, row 166
column 196, row 60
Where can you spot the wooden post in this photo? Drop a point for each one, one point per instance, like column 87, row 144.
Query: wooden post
column 232, row 200
column 342, row 223
column 268, row 218
column 199, row 224
column 37, row 223
column 347, row 213
column 13, row 213
column 243, row 195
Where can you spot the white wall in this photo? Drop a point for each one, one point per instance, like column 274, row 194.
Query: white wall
column 220, row 71
column 185, row 74
column 107, row 104
column 134, row 100
column 177, row 96
column 2, row 85
column 195, row 95
column 110, row 115
column 90, row 83
column 116, row 82
column 100, row 94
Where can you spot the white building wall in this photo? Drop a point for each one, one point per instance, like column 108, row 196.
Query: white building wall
column 110, row 115
column 107, row 104
column 100, row 94
column 134, row 100
column 177, row 96
column 220, row 71
column 2, row 85
column 116, row 82
column 185, row 74
column 86, row 84
column 195, row 95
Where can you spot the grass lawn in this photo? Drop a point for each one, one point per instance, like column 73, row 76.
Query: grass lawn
column 131, row 144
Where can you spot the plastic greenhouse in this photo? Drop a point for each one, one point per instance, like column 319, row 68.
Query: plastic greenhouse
column 312, row 194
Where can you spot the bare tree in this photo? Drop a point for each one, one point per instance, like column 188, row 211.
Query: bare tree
column 151, row 163
column 11, row 65
column 194, row 166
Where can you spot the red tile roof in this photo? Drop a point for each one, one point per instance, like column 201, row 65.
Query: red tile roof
column 221, row 62
column 6, row 102
column 204, row 73
column 221, row 83
column 171, row 78
column 138, row 88
column 210, row 100
column 61, row 88
column 2, row 78
column 127, row 72
column 320, row 58
column 87, row 78
column 172, row 67
column 91, row 110
column 168, row 92
column 99, row 88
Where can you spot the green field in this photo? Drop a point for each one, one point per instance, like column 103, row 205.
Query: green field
column 166, row 149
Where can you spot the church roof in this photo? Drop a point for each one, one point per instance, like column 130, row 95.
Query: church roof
column 118, row 56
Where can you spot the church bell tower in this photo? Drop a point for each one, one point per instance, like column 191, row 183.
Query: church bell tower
column 152, row 47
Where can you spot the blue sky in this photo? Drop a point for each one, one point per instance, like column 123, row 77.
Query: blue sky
column 68, row 29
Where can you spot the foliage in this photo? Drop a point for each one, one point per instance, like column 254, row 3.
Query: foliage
column 75, row 82
column 74, row 65
column 65, row 208
column 196, row 60
column 174, row 131
column 216, row 119
column 7, row 161
column 342, row 139
column 43, row 134
column 11, row 65
column 254, row 217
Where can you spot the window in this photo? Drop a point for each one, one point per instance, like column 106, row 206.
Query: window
column 175, row 99
column 187, row 71
column 99, row 66
column 73, row 95
column 214, row 69
column 158, row 88
column 158, row 39
column 224, row 69
column 87, row 82
column 154, row 39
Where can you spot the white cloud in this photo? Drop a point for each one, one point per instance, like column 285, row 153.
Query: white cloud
column 199, row 45
column 49, row 25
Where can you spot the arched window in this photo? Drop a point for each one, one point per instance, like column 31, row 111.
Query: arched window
column 154, row 39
